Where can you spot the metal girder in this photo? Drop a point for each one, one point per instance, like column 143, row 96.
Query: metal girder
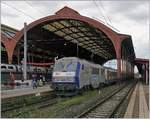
column 103, row 50
column 72, row 30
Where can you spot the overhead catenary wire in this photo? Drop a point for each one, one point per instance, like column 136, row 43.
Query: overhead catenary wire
column 110, row 22
column 42, row 13
column 18, row 10
column 99, row 20
column 113, row 27
column 105, row 11
column 100, row 10
column 39, row 11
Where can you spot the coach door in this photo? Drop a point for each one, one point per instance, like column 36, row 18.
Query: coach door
column 95, row 77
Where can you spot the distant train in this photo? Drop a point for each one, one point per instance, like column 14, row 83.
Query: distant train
column 11, row 72
column 72, row 75
column 19, row 68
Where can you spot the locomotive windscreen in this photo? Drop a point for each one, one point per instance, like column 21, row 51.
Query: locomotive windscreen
column 67, row 65
column 64, row 70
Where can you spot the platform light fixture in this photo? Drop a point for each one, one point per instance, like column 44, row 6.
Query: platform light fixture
column 65, row 44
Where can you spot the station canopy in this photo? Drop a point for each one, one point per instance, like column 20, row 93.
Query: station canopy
column 62, row 36
column 141, row 64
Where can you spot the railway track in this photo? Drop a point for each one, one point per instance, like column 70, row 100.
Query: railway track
column 107, row 107
column 23, row 110
column 40, row 105
column 47, row 100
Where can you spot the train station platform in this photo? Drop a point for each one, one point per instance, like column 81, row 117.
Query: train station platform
column 138, row 106
column 25, row 91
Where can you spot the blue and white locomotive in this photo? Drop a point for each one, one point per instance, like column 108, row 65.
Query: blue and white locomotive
column 71, row 74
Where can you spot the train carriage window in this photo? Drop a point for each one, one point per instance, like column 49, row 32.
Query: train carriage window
column 82, row 66
column 20, row 68
column 102, row 71
column 35, row 70
column 10, row 67
column 3, row 67
column 95, row 71
column 86, row 69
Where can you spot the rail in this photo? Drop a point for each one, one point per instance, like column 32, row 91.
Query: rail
column 106, row 102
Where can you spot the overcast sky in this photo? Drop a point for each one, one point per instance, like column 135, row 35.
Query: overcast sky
column 130, row 17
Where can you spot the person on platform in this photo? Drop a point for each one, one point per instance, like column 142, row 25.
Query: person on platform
column 34, row 82
column 43, row 80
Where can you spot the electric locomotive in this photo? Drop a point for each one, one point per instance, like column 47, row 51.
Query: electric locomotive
column 72, row 75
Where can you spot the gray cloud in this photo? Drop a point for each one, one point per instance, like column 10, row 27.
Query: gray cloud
column 6, row 14
column 138, row 16
column 133, row 10
column 129, row 17
column 46, row 7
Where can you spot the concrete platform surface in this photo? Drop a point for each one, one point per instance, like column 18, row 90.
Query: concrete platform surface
column 138, row 104
column 25, row 91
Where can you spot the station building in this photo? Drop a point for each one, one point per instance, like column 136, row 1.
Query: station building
column 67, row 33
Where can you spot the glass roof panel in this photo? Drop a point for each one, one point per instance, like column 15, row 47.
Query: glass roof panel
column 74, row 29
column 94, row 47
column 90, row 41
column 65, row 23
column 82, row 29
column 81, row 44
column 75, row 22
column 88, row 48
column 89, row 34
column 86, row 42
column 87, row 38
column 74, row 35
column 68, row 38
column 81, row 39
column 60, row 33
column 8, row 34
column 93, row 37
column 80, row 34
column 75, row 41
column 84, row 46
column 58, row 24
column 49, row 27
column 67, row 30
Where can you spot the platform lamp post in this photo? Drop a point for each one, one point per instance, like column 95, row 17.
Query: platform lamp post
column 75, row 41
column 25, row 53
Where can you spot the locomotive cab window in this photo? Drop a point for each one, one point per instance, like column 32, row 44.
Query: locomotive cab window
column 95, row 71
column 68, row 65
